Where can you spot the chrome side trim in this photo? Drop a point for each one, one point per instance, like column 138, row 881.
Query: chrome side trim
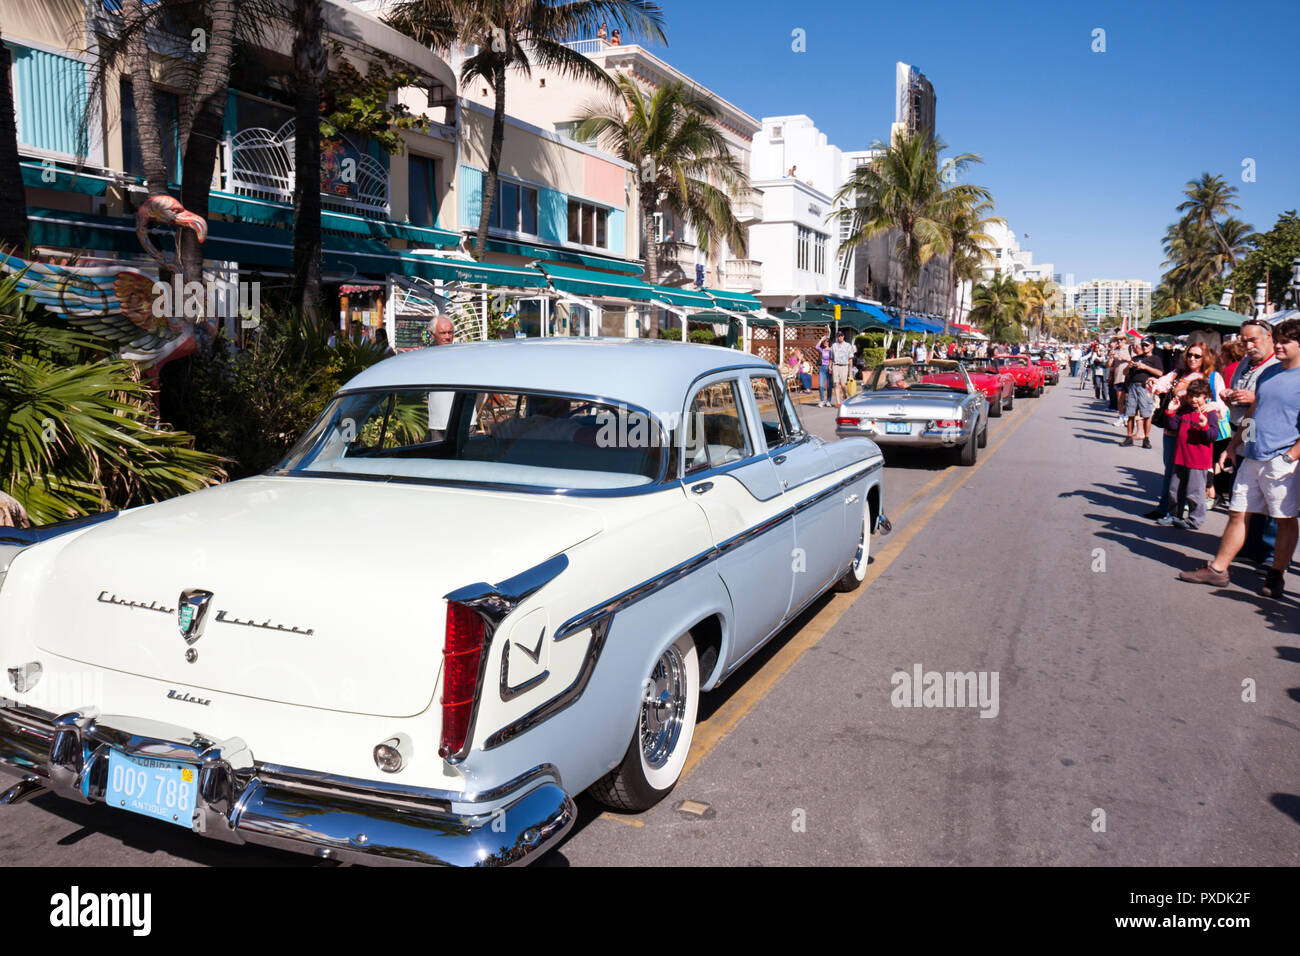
column 600, row 617
column 493, row 603
column 394, row 794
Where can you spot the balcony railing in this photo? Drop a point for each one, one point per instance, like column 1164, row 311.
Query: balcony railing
column 742, row 275
column 259, row 163
column 748, row 208
column 677, row 258
column 587, row 47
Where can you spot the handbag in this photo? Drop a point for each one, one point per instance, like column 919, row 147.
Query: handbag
column 1225, row 427
column 1160, row 417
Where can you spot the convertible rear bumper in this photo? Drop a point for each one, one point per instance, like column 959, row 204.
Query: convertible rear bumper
column 242, row 801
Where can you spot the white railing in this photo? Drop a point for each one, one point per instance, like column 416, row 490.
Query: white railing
column 748, row 208
column 260, row 163
column 742, row 275
column 585, row 47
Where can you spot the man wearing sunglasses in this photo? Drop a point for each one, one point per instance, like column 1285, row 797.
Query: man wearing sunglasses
column 1268, row 478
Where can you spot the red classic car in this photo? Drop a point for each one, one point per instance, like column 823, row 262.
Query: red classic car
column 1029, row 377
column 998, row 386
column 1047, row 362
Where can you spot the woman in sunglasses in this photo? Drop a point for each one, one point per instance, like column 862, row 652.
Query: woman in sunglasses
column 1198, row 362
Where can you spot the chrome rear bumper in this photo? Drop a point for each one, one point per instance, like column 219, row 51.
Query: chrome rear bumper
column 243, row 801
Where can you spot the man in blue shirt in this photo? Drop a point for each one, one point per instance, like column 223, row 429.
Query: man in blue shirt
column 1268, row 479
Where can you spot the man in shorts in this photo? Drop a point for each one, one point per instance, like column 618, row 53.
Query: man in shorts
column 1268, row 480
column 1138, row 402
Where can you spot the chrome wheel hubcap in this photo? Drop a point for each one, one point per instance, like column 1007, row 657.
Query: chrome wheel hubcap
column 663, row 706
column 862, row 548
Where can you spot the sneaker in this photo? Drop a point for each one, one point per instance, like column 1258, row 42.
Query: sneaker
column 1274, row 584
column 1180, row 522
column 1191, row 525
column 1166, row 520
column 1206, row 575
column 1119, row 423
column 1146, row 443
column 1155, row 515
column 1126, row 442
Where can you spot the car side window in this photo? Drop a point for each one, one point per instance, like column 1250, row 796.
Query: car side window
column 774, row 412
column 715, row 428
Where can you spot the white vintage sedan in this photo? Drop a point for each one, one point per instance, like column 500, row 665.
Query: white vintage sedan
column 489, row 577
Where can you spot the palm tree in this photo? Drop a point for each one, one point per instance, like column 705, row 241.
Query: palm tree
column 309, row 64
column 1037, row 295
column 1208, row 198
column 968, row 243
column 142, row 95
column 901, row 190
column 687, row 167
column 997, row 308
column 519, row 33
column 78, row 433
column 13, row 202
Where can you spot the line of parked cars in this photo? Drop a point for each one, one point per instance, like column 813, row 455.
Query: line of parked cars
column 943, row 405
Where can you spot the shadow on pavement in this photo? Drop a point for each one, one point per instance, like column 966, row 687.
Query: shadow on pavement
column 1288, row 803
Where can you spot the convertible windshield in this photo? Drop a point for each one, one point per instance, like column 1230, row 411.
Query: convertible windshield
column 930, row 376
column 481, row 437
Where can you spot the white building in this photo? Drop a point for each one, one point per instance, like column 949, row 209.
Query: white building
column 1113, row 298
column 798, row 173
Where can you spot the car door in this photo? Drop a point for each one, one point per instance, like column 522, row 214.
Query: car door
column 820, row 525
column 737, row 488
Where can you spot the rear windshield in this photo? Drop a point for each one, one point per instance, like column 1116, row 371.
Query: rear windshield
column 480, row 437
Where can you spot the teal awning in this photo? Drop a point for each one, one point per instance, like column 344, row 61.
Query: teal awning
column 245, row 243
column 40, row 176
column 552, row 254
column 424, row 235
column 248, row 209
column 686, row 298
column 1210, row 317
column 461, row 270
column 739, row 301
column 605, row 285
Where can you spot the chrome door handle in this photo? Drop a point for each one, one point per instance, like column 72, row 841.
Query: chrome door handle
column 702, row 487
column 779, row 460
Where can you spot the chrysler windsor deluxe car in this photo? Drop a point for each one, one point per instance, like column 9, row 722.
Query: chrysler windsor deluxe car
column 923, row 405
column 489, row 577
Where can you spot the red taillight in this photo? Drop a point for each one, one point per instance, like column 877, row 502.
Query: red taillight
column 948, row 423
column 848, row 422
column 461, row 650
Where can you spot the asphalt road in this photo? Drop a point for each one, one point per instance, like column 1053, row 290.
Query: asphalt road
column 1120, row 737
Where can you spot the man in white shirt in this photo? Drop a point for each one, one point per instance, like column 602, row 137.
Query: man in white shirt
column 1076, row 355
column 841, row 363
column 441, row 332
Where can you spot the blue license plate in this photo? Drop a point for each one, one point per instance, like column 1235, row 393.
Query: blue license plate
column 163, row 789
column 898, row 428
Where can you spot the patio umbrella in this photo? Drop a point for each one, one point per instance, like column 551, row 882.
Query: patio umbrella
column 1213, row 317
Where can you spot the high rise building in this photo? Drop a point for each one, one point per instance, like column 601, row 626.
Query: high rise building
column 913, row 103
column 1112, row 298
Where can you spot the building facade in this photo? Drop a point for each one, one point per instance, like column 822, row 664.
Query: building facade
column 1113, row 298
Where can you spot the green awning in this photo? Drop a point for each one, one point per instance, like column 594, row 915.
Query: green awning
column 40, row 176
column 686, row 298
column 248, row 209
column 1212, row 316
column 245, row 243
column 552, row 254
column 424, row 235
column 461, row 270
column 605, row 285
column 739, row 301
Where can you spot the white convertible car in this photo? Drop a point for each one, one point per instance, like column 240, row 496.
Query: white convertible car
column 489, row 577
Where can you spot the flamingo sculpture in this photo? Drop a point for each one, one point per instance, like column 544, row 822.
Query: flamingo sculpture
column 116, row 302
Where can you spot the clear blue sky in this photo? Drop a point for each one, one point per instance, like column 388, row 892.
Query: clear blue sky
column 1087, row 152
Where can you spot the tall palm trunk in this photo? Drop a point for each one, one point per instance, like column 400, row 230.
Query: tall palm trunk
column 494, row 158
column 142, row 94
column 13, row 202
column 201, row 128
column 309, row 63
column 651, row 252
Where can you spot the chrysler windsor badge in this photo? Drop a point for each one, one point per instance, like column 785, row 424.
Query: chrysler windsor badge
column 191, row 611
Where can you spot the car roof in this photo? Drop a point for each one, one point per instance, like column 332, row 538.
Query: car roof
column 648, row 373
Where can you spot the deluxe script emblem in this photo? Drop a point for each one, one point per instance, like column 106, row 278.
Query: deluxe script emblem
column 191, row 611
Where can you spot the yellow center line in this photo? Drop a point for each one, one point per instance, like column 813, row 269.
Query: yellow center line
column 711, row 733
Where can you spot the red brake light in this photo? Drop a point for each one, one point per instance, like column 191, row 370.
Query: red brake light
column 461, row 650
column 948, row 423
column 848, row 422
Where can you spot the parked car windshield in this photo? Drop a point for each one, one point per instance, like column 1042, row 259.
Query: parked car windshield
column 481, row 437
column 928, row 376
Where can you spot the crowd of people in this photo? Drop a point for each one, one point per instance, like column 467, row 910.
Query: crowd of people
column 1230, row 424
